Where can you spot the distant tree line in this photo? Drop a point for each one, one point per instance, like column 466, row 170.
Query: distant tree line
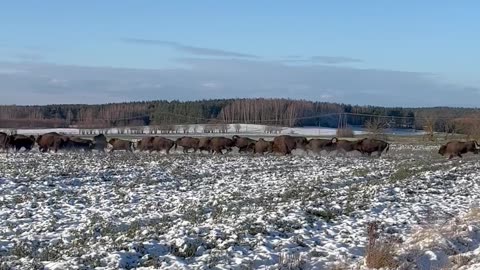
column 272, row 112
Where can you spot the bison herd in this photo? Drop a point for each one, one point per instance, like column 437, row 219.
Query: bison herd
column 283, row 144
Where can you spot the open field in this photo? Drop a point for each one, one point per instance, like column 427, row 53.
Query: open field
column 199, row 211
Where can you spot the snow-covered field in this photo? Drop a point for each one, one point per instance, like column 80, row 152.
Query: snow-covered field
column 198, row 211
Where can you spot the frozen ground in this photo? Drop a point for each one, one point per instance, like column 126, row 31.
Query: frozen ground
column 197, row 211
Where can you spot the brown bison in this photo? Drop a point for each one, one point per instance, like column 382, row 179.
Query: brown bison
column 51, row 141
column 119, row 144
column 18, row 142
column 284, row 144
column 75, row 144
column 100, row 142
column 317, row 145
column 218, row 144
column 262, row 146
column 187, row 143
column 155, row 144
column 457, row 148
column 204, row 144
column 369, row 146
column 145, row 144
column 243, row 144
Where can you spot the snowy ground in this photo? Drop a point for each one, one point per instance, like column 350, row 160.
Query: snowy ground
column 198, row 211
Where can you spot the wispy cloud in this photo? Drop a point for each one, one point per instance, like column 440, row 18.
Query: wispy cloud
column 28, row 56
column 322, row 59
column 187, row 48
column 334, row 59
column 43, row 83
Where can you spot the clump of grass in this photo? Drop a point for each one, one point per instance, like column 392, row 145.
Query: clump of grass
column 326, row 215
column 379, row 254
column 291, row 261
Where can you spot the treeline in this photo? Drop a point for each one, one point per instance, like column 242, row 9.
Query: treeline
column 274, row 112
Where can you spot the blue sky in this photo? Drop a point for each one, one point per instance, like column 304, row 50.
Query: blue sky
column 424, row 46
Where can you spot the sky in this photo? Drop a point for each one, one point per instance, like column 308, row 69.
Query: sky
column 389, row 53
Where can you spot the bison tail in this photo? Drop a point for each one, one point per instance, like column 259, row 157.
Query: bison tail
column 388, row 148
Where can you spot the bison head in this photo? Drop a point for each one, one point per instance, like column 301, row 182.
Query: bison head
column 442, row 150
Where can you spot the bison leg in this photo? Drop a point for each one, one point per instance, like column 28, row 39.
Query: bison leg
column 459, row 155
column 450, row 157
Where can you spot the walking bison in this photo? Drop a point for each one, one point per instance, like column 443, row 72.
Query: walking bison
column 155, row 144
column 243, row 144
column 318, row 145
column 119, row 144
column 457, row 148
column 262, row 146
column 100, row 142
column 218, row 144
column 187, row 143
column 369, row 146
column 52, row 141
column 19, row 141
column 284, row 144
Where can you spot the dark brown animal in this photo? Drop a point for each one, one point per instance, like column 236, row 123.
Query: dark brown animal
column 457, row 148
column 100, row 142
column 119, row 144
column 344, row 146
column 262, row 146
column 187, row 143
column 369, row 146
column 204, row 144
column 19, row 141
column 75, row 144
column 218, row 144
column 3, row 140
column 145, row 144
column 318, row 145
column 51, row 141
column 244, row 144
column 161, row 144
column 284, row 144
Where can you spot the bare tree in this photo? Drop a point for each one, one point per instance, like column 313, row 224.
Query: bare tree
column 376, row 128
column 237, row 127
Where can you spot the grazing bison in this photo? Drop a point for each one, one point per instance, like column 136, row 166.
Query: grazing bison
column 75, row 144
column 187, row 143
column 218, row 144
column 262, row 146
column 119, row 144
column 204, row 144
column 100, row 142
column 317, row 145
column 52, row 141
column 243, row 144
column 457, row 148
column 284, row 144
column 3, row 140
column 369, row 146
column 18, row 142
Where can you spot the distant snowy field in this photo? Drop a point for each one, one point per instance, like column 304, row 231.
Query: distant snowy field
column 246, row 129
column 198, row 211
